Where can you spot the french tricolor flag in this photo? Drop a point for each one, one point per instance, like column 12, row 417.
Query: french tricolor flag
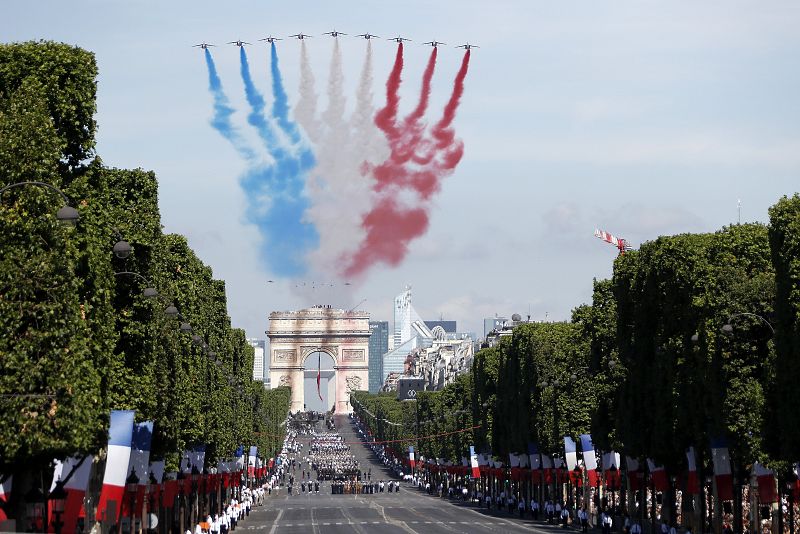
column 473, row 462
column 120, row 434
column 74, row 474
column 722, row 469
column 411, row 459
column 659, row 475
column 635, row 476
column 692, row 480
column 5, row 492
column 251, row 464
column 767, row 489
column 589, row 458
column 570, row 452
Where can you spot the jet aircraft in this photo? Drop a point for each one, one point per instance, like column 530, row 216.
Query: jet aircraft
column 397, row 39
column 334, row 33
column 434, row 43
column 270, row 39
column 239, row 43
column 467, row 46
column 301, row 36
column 367, row 35
column 203, row 45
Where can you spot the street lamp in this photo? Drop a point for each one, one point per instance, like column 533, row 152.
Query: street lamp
column 149, row 291
column 186, row 327
column 728, row 327
column 34, row 508
column 66, row 214
column 122, row 249
column 131, row 487
column 152, row 486
column 58, row 499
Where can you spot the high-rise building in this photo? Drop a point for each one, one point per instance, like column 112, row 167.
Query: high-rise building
column 404, row 317
column 261, row 360
column 378, row 346
column 493, row 323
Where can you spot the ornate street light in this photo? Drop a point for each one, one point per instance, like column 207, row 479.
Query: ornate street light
column 122, row 249
column 131, row 487
column 728, row 327
column 186, row 327
column 58, row 500
column 149, row 291
column 66, row 214
column 171, row 311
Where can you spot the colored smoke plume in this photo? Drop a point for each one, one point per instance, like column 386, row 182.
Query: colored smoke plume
column 338, row 187
column 221, row 120
column 415, row 169
column 274, row 190
column 306, row 109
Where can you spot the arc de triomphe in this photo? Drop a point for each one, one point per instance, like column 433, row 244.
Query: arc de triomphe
column 344, row 335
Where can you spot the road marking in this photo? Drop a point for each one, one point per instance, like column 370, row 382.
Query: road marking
column 275, row 524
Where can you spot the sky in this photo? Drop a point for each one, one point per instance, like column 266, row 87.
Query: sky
column 641, row 118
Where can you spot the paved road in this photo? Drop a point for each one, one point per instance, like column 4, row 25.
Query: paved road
column 408, row 511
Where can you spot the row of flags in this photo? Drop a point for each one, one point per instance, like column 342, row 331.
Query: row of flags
column 129, row 452
column 545, row 468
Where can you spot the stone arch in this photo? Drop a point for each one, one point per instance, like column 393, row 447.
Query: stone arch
column 342, row 335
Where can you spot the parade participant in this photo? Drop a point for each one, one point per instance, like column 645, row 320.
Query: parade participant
column 606, row 522
column 535, row 508
column 521, row 507
column 583, row 517
column 564, row 517
column 636, row 528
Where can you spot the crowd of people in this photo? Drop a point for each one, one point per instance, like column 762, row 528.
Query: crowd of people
column 331, row 458
column 232, row 514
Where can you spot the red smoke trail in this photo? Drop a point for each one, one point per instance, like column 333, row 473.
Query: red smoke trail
column 390, row 226
column 425, row 94
column 385, row 118
column 404, row 143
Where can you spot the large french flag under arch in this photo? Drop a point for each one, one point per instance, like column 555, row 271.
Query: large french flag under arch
column 120, row 434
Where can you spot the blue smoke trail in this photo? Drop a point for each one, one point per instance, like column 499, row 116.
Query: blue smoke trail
column 280, row 103
column 221, row 121
column 276, row 200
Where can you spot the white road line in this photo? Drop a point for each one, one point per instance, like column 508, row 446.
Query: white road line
column 275, row 524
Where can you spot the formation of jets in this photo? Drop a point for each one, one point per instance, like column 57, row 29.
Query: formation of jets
column 336, row 34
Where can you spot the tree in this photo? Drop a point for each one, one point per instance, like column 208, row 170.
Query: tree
column 784, row 238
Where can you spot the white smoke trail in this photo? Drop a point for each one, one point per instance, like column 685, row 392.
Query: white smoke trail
column 306, row 110
column 341, row 189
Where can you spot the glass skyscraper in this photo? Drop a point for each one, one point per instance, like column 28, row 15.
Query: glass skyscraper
column 378, row 346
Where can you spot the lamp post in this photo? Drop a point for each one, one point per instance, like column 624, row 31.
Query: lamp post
column 728, row 327
column 181, row 501
column 66, row 214
column 34, row 509
column 131, row 487
column 152, row 486
column 195, row 504
column 58, row 498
